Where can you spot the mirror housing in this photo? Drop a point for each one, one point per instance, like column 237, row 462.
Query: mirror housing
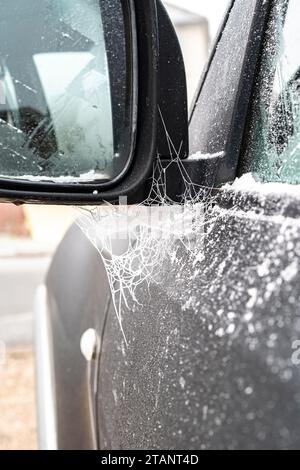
column 161, row 110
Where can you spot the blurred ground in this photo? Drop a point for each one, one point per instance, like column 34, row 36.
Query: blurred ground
column 27, row 242
column 20, row 277
column 17, row 400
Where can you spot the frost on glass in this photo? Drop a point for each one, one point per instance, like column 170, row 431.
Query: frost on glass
column 275, row 130
column 214, row 109
column 55, row 112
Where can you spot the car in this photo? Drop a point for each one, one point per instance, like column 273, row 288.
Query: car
column 169, row 318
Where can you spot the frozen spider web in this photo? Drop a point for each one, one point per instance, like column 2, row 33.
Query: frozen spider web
column 149, row 233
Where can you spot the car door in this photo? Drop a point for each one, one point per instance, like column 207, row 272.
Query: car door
column 209, row 359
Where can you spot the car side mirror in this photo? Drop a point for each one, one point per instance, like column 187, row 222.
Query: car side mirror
column 88, row 89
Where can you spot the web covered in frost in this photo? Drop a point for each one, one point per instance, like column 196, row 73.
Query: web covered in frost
column 149, row 234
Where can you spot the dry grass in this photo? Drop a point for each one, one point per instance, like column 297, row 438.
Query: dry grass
column 17, row 401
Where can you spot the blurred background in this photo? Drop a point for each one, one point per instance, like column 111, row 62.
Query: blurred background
column 30, row 234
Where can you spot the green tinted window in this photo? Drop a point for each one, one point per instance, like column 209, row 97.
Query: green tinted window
column 273, row 152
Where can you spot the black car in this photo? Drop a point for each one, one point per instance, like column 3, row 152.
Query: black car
column 169, row 318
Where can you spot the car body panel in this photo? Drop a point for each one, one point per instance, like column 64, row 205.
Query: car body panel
column 209, row 357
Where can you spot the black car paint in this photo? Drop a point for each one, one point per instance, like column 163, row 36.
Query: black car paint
column 187, row 380
column 179, row 384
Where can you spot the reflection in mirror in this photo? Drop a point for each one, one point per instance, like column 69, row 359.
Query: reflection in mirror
column 63, row 85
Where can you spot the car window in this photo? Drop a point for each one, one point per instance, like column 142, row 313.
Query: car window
column 273, row 148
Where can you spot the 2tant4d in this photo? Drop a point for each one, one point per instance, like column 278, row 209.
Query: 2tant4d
column 151, row 459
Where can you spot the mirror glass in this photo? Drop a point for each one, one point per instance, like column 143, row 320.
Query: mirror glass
column 66, row 90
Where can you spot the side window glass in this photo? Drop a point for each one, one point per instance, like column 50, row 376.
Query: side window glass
column 273, row 152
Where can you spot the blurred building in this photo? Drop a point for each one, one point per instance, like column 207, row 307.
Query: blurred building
column 13, row 221
column 193, row 33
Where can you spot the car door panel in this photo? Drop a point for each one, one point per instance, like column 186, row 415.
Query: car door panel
column 209, row 357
